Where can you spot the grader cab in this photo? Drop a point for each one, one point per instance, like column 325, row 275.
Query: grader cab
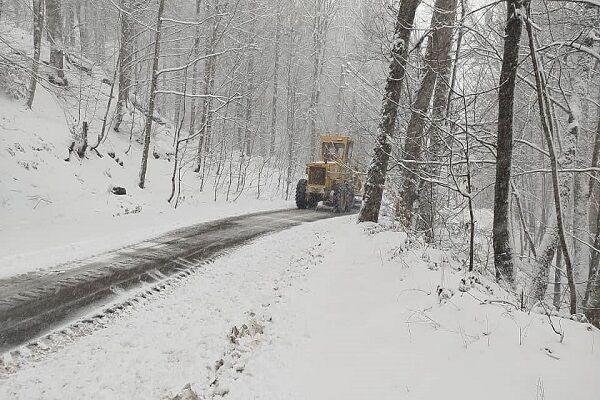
column 330, row 180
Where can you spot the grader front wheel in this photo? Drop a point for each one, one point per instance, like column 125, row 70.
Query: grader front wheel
column 301, row 194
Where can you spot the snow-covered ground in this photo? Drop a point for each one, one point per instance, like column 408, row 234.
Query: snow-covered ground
column 54, row 211
column 327, row 310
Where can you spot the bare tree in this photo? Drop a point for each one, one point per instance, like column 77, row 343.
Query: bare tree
column 152, row 95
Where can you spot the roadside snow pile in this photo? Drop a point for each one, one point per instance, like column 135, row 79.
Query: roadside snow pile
column 327, row 310
column 55, row 211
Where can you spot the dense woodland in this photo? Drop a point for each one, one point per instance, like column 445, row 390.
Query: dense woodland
column 456, row 106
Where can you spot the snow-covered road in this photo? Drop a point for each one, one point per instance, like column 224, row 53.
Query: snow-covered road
column 33, row 303
column 327, row 310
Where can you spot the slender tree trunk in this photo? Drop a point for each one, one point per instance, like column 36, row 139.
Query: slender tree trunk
column 248, row 131
column 275, row 81
column 208, row 87
column 195, row 54
column 438, row 50
column 152, row 95
column 125, row 61
column 38, row 27
column 569, row 156
column 503, row 253
column 378, row 168
column 556, row 301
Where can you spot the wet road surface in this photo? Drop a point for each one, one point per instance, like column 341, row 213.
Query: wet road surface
column 34, row 303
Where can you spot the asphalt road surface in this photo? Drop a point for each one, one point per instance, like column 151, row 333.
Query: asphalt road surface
column 35, row 303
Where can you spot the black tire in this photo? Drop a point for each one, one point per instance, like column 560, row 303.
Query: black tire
column 313, row 200
column 339, row 198
column 301, row 194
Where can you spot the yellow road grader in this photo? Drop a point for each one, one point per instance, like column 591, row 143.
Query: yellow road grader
column 330, row 180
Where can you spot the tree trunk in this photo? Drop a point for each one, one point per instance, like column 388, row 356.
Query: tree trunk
column 125, row 62
column 591, row 304
column 54, row 18
column 81, row 11
column 38, row 27
column 248, row 130
column 152, row 95
column 275, row 82
column 503, row 257
column 559, row 187
column 438, row 50
column 378, row 168
column 207, row 84
column 195, row 54
column 70, row 27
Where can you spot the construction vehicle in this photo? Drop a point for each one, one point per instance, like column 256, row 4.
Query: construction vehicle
column 330, row 180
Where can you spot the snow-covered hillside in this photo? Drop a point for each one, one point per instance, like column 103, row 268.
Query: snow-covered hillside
column 53, row 210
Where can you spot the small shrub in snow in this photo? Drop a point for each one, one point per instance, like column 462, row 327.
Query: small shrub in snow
column 444, row 294
column 13, row 82
column 187, row 393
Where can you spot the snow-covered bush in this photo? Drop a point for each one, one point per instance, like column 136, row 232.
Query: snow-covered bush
column 13, row 81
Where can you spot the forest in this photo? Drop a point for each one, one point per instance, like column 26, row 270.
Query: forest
column 487, row 112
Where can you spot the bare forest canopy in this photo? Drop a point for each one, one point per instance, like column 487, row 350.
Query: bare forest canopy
column 456, row 106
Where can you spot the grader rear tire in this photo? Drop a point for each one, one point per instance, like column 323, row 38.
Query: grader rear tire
column 339, row 198
column 301, row 194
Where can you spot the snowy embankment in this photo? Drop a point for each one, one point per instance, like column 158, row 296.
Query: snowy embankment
column 54, row 211
column 328, row 310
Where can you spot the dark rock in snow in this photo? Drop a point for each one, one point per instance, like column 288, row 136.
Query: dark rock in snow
column 118, row 190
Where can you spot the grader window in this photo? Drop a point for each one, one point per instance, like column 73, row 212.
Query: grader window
column 333, row 151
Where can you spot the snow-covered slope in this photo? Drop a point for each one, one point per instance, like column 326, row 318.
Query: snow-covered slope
column 54, row 211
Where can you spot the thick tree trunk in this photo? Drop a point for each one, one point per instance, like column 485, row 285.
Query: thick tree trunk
column 81, row 11
column 70, row 27
column 151, row 95
column 503, row 254
column 54, row 20
column 38, row 27
column 438, row 50
column 379, row 163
